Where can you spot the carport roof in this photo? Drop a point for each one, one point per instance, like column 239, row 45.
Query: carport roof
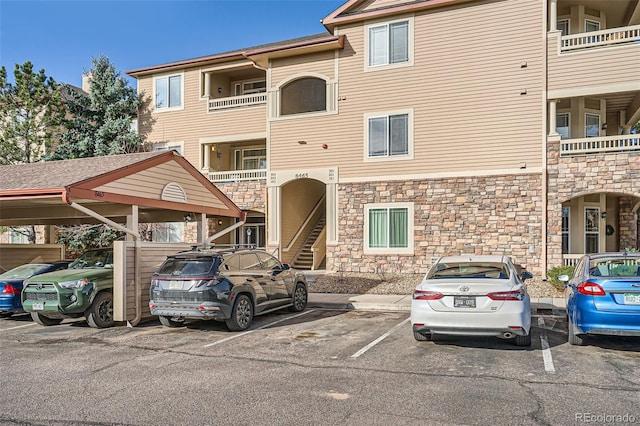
column 163, row 185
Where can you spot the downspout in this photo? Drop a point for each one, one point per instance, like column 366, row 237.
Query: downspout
column 136, row 242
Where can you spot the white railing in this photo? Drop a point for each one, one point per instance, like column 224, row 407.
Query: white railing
column 237, row 176
column 237, row 101
column 619, row 143
column 608, row 37
column 571, row 259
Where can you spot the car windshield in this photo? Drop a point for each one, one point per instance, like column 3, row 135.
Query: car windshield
column 188, row 267
column 470, row 270
column 24, row 271
column 93, row 259
column 615, row 267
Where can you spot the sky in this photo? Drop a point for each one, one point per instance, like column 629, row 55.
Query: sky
column 63, row 36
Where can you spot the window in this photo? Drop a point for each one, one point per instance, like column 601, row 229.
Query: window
column 591, row 25
column 563, row 26
column 307, row 94
column 168, row 92
column 19, row 236
column 388, row 44
column 563, row 125
column 389, row 228
column 388, row 135
column 251, row 87
column 167, row 146
column 169, row 232
column 592, row 125
column 565, row 229
column 591, row 230
column 251, row 159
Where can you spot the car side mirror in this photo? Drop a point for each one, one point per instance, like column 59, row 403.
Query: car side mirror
column 286, row 266
column 526, row 275
column 564, row 278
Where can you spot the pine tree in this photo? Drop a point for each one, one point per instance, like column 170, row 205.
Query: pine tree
column 100, row 122
column 30, row 112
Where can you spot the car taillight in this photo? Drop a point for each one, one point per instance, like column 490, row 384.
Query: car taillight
column 9, row 289
column 590, row 289
column 426, row 295
column 507, row 295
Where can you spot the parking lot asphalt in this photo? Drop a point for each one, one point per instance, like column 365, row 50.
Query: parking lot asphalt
column 387, row 302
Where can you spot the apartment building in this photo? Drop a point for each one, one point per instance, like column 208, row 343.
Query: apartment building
column 414, row 129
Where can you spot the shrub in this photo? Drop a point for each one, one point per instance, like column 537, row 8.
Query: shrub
column 555, row 272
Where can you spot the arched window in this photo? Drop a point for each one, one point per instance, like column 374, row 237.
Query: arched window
column 306, row 94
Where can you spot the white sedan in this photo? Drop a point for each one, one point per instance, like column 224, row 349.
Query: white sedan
column 475, row 295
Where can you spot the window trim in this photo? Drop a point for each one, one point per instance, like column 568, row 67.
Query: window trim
column 410, row 46
column 168, row 76
column 586, row 115
column 596, row 233
column 568, row 231
column 409, row 250
column 410, row 135
column 275, row 94
column 568, row 21
column 568, row 114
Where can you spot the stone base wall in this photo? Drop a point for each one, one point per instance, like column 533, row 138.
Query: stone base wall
column 479, row 215
column 246, row 195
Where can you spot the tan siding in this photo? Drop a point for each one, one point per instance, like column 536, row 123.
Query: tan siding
column 283, row 69
column 593, row 67
column 464, row 88
column 149, row 184
column 12, row 255
column 194, row 122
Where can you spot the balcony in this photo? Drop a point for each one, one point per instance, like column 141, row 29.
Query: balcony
column 241, row 101
column 600, row 145
column 604, row 38
column 257, row 175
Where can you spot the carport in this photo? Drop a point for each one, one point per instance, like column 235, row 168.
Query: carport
column 120, row 191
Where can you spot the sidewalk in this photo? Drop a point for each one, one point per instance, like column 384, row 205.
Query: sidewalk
column 384, row 302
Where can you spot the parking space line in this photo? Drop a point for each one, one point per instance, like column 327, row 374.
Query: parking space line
column 18, row 326
column 259, row 328
column 546, row 350
column 379, row 339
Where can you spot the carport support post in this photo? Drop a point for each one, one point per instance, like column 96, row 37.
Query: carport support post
column 203, row 228
column 132, row 224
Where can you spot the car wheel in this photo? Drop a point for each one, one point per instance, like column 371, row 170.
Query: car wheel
column 299, row 299
column 168, row 322
column 42, row 320
column 523, row 340
column 421, row 337
column 574, row 339
column 100, row 313
column 241, row 314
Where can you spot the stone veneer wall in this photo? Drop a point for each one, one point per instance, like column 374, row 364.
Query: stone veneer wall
column 246, row 195
column 570, row 177
column 480, row 215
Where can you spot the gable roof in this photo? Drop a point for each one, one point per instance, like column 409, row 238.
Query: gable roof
column 359, row 10
column 162, row 184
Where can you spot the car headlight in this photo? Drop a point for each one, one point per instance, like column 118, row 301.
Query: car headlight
column 74, row 284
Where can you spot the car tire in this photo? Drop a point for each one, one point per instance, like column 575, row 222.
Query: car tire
column 168, row 322
column 523, row 340
column 46, row 321
column 299, row 299
column 100, row 313
column 574, row 339
column 241, row 314
column 421, row 337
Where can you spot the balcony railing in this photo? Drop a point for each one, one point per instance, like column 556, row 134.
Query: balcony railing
column 237, row 101
column 608, row 37
column 238, row 176
column 611, row 144
column 571, row 259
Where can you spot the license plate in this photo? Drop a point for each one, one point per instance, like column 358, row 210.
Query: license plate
column 464, row 301
column 175, row 285
column 37, row 306
column 632, row 298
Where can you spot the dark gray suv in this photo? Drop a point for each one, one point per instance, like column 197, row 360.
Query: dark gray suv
column 230, row 285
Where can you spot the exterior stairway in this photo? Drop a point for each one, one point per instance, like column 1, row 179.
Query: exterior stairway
column 304, row 258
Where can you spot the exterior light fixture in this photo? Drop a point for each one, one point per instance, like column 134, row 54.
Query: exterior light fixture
column 603, row 215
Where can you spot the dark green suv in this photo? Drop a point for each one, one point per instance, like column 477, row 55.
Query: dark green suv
column 84, row 289
column 227, row 285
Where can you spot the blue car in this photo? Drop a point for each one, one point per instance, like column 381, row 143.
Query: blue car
column 11, row 284
column 603, row 296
